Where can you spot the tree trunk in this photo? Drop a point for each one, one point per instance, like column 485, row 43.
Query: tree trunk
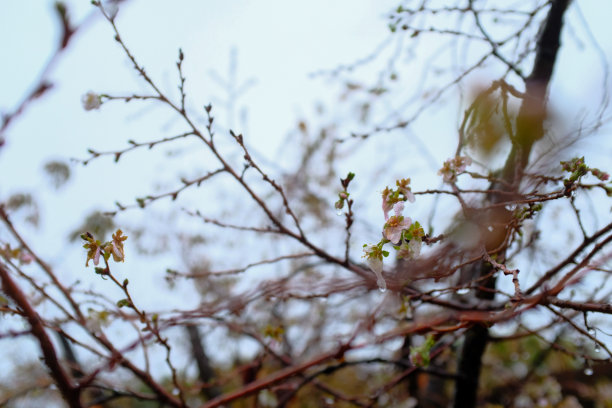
column 206, row 372
column 529, row 129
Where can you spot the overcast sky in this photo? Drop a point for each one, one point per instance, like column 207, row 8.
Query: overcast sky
column 277, row 45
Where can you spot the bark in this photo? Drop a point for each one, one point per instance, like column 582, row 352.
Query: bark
column 205, row 370
column 529, row 129
column 70, row 357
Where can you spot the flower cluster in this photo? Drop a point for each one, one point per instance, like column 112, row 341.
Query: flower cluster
column 392, row 197
column 113, row 248
column 453, row 167
column 578, row 168
column 400, row 231
column 412, row 240
column 396, row 224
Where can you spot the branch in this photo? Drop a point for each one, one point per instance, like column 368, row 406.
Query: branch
column 70, row 392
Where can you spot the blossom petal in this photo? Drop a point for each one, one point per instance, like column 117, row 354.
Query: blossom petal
column 376, row 265
column 398, row 208
column 91, row 101
column 409, row 196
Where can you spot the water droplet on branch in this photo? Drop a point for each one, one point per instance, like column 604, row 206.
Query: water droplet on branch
column 382, row 285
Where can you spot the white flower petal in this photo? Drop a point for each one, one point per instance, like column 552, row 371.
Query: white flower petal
column 398, row 208
column 376, row 265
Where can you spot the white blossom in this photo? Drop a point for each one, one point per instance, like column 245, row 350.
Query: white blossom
column 91, row 101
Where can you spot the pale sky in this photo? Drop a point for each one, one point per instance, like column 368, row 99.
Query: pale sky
column 278, row 45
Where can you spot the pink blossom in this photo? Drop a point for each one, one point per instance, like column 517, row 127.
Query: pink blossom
column 404, row 188
column 453, row 167
column 386, row 204
column 396, row 224
column 461, row 163
column 25, row 257
column 94, row 255
column 409, row 195
column 115, row 247
column 410, row 250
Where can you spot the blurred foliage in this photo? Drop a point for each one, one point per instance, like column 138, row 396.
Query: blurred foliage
column 58, row 173
column 27, row 203
column 489, row 123
column 96, row 223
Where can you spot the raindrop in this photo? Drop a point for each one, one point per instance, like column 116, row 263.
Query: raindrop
column 588, row 371
column 591, row 331
column 510, row 207
column 339, row 213
column 382, row 285
column 490, row 228
column 463, row 291
column 597, row 348
column 175, row 391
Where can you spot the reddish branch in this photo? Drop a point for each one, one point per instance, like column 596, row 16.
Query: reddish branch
column 275, row 378
column 70, row 392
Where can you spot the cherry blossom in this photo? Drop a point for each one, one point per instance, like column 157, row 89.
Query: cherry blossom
column 91, row 101
column 396, row 224
column 453, row 167
column 115, row 247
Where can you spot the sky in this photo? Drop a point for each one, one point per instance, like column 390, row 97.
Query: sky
column 276, row 46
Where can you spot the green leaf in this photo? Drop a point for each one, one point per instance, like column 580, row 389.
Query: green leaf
column 123, row 302
column 419, row 356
